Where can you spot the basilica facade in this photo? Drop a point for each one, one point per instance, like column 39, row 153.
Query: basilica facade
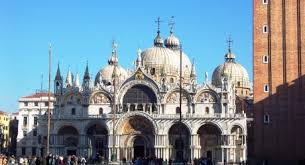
column 130, row 114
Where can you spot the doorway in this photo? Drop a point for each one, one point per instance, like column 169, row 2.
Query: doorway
column 139, row 147
column 71, row 152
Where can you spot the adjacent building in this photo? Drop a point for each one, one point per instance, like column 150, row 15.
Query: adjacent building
column 279, row 80
column 30, row 133
column 4, row 131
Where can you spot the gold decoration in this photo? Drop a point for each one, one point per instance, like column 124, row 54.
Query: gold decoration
column 175, row 96
column 139, row 75
column 206, row 97
column 99, row 98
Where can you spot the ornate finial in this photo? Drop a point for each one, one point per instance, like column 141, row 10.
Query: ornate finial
column 158, row 21
column 171, row 24
column 230, row 42
column 206, row 76
column 114, row 46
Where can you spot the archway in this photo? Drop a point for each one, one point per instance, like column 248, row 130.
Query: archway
column 179, row 139
column 139, row 147
column 97, row 140
column 209, row 136
column 68, row 138
column 140, row 98
column 138, row 134
column 237, row 139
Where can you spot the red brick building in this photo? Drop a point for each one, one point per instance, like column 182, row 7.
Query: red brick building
column 279, row 71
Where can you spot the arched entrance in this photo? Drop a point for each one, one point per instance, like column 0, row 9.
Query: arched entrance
column 139, row 147
column 97, row 140
column 138, row 135
column 237, row 139
column 209, row 136
column 140, row 98
column 179, row 139
column 68, row 139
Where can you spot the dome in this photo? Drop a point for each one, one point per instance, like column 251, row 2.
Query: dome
column 236, row 72
column 160, row 58
column 105, row 74
column 172, row 42
column 186, row 63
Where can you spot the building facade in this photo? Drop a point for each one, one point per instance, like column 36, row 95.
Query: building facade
column 4, row 131
column 31, row 135
column 136, row 113
column 279, row 94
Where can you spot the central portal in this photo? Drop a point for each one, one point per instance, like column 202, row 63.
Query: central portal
column 138, row 134
column 139, row 148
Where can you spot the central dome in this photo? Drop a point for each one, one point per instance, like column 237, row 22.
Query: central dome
column 158, row 59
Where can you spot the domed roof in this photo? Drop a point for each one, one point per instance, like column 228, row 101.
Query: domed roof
column 186, row 63
column 160, row 58
column 236, row 72
column 105, row 74
column 172, row 42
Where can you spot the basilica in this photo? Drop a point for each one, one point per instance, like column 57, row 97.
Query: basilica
column 156, row 110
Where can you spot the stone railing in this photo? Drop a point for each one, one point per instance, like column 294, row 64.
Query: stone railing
column 156, row 116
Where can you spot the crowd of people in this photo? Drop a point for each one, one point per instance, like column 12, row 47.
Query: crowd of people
column 95, row 160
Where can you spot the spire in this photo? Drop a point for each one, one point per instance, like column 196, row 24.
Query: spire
column 113, row 58
column 87, row 75
column 76, row 81
column 58, row 75
column 86, row 79
column 193, row 70
column 68, row 82
column 139, row 59
column 229, row 57
column 171, row 25
column 158, row 40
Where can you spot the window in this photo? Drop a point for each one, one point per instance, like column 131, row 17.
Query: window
column 34, row 132
column 266, row 88
column 23, row 151
column 101, row 111
column 73, row 111
column 24, row 133
column 25, row 121
column 265, row 2
column 207, row 110
column 33, row 151
column 46, row 103
column 265, row 29
column 171, row 80
column 266, row 119
column 177, row 110
column 36, row 104
column 265, row 59
column 238, row 83
column 26, row 103
column 152, row 71
column 35, row 121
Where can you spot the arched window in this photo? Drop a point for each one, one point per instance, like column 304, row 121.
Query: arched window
column 265, row 29
column 73, row 111
column 207, row 110
column 132, row 107
column 177, row 110
column 171, row 80
column 101, row 111
column 152, row 71
column 238, row 83
column 266, row 118
column 265, row 59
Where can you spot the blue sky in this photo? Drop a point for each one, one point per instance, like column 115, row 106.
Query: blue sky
column 83, row 30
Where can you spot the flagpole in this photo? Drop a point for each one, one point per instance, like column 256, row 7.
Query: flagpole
column 49, row 100
column 180, row 86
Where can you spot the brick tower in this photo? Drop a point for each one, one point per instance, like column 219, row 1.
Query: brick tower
column 279, row 71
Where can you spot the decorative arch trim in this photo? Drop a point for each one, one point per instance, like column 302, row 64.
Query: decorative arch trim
column 126, row 116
